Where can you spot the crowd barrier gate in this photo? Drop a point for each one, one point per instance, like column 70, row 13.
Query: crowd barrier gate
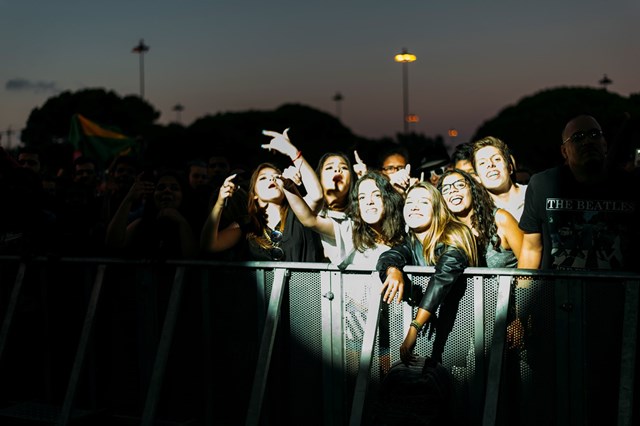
column 142, row 341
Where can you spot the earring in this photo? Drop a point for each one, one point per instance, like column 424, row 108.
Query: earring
column 406, row 228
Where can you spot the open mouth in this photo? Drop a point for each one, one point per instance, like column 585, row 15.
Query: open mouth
column 492, row 175
column 455, row 200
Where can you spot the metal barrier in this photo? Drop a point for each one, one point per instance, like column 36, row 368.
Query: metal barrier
column 291, row 342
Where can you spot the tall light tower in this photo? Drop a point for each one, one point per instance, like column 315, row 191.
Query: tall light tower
column 9, row 133
column 178, row 108
column 338, row 98
column 605, row 81
column 141, row 49
column 405, row 58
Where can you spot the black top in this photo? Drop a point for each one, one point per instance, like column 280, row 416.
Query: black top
column 449, row 267
column 299, row 244
column 584, row 226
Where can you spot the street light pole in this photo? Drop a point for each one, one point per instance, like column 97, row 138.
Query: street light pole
column 141, row 49
column 405, row 58
column 605, row 82
column 338, row 98
column 178, row 108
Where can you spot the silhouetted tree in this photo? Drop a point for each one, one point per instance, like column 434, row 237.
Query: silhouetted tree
column 51, row 122
column 532, row 128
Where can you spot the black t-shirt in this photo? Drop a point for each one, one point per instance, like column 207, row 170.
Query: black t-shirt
column 299, row 244
column 584, row 226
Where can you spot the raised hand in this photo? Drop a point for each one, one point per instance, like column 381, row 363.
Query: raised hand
column 227, row 189
column 280, row 142
column 292, row 173
column 359, row 167
column 401, row 178
column 140, row 188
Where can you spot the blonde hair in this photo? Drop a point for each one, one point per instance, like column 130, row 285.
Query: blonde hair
column 446, row 229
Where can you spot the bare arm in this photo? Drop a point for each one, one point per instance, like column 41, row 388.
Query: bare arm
column 118, row 233
column 303, row 211
column 531, row 253
column 409, row 343
column 281, row 143
column 509, row 231
column 211, row 238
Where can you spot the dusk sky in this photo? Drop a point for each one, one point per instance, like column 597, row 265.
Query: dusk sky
column 474, row 58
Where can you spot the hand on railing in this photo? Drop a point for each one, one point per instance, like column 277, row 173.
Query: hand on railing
column 393, row 285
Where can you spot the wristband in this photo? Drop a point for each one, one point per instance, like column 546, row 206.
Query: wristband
column 415, row 324
column 298, row 155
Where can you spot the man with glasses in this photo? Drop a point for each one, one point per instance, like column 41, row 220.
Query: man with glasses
column 583, row 215
column 30, row 159
column 394, row 164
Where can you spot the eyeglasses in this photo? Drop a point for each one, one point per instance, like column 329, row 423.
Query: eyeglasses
column 458, row 185
column 581, row 135
column 275, row 251
column 392, row 169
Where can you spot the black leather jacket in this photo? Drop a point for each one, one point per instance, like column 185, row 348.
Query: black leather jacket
column 450, row 265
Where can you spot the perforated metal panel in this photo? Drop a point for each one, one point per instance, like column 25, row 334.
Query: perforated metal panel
column 559, row 331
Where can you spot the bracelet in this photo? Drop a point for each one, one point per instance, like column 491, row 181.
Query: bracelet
column 298, row 155
column 415, row 324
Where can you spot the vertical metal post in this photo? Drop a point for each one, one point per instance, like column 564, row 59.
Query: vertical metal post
column 405, row 96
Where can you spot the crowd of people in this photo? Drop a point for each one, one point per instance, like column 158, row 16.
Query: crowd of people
column 474, row 212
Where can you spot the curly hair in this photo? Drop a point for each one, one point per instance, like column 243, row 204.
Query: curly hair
column 257, row 228
column 445, row 228
column 482, row 217
column 392, row 229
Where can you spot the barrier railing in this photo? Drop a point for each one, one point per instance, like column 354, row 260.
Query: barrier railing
column 289, row 342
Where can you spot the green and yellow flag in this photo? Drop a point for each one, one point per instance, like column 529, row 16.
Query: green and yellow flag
column 101, row 144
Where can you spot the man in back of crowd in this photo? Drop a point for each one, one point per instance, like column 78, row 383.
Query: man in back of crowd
column 582, row 216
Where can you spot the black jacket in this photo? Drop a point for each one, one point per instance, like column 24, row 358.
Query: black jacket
column 449, row 267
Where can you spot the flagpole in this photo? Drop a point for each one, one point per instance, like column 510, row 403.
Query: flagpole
column 141, row 49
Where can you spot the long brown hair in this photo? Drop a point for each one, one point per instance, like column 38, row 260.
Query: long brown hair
column 258, row 230
column 392, row 232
